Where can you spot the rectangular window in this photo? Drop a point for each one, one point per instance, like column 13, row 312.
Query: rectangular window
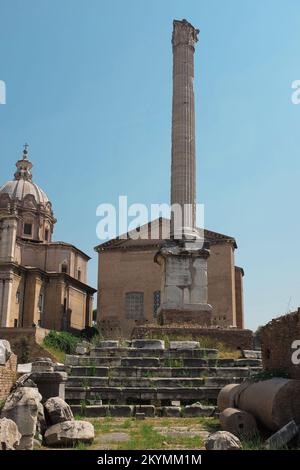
column 64, row 268
column 46, row 234
column 79, row 274
column 134, row 305
column 27, row 229
column 156, row 301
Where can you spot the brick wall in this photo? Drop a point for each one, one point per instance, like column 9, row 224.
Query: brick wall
column 8, row 374
column 232, row 338
column 277, row 338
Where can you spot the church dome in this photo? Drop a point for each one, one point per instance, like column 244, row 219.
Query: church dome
column 23, row 185
column 23, row 197
column 18, row 189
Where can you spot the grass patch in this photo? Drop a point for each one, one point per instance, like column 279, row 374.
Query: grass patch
column 57, row 353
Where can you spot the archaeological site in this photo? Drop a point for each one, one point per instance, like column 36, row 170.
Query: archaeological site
column 160, row 357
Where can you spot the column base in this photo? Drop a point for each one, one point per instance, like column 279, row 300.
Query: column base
column 200, row 315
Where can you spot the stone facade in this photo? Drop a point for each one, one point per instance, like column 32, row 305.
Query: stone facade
column 42, row 282
column 127, row 266
column 281, row 344
column 8, row 375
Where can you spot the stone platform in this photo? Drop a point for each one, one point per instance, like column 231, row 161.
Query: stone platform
column 123, row 381
column 233, row 338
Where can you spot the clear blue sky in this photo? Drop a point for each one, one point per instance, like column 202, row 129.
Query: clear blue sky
column 89, row 88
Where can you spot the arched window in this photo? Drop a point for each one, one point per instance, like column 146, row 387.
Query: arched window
column 134, row 305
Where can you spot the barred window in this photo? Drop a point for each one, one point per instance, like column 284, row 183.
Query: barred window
column 134, row 305
column 156, row 301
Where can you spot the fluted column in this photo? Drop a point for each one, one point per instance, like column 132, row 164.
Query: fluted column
column 183, row 171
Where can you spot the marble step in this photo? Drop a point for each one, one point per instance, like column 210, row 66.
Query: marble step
column 140, row 395
column 168, row 372
column 160, row 353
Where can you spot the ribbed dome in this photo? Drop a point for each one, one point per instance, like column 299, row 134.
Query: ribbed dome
column 18, row 189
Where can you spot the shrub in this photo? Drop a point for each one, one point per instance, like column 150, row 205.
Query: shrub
column 62, row 340
column 89, row 332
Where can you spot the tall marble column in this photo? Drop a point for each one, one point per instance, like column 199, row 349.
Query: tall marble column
column 183, row 171
column 183, row 258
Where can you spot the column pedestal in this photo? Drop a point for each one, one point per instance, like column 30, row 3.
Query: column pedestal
column 184, row 283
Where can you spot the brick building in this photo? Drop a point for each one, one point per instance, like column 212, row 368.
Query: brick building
column 129, row 281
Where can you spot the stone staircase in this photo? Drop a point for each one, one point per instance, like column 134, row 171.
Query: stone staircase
column 127, row 381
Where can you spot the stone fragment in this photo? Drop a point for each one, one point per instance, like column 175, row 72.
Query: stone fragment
column 5, row 351
column 42, row 366
column 222, row 440
column 184, row 344
column 197, row 409
column 148, row 343
column 81, row 350
column 9, row 434
column 282, row 437
column 24, row 368
column 22, row 407
column 238, row 422
column 58, row 410
column 69, row 433
column 140, row 416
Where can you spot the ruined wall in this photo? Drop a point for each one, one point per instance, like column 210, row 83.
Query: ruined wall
column 8, row 373
column 277, row 338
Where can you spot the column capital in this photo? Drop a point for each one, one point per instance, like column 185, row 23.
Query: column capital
column 184, row 33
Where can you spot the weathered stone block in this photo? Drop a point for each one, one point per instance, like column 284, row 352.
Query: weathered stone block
column 9, row 435
column 58, row 410
column 191, row 411
column 69, row 433
column 222, row 440
column 22, row 408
